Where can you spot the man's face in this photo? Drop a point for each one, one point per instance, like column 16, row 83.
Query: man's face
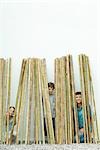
column 50, row 90
column 79, row 100
column 11, row 111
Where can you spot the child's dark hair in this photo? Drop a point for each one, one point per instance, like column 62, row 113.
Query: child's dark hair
column 50, row 84
column 78, row 93
column 12, row 107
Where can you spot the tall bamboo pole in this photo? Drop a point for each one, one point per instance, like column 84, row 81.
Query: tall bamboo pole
column 21, row 130
column 28, row 109
column 47, row 104
column 87, row 97
column 92, row 133
column 40, row 98
column 63, row 99
column 56, row 98
column 37, row 104
column 83, row 96
column 18, row 99
column 62, row 67
column 4, row 101
column 93, row 99
column 1, row 96
column 69, row 102
column 73, row 99
column 66, row 104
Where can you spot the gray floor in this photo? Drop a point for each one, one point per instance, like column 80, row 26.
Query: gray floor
column 51, row 147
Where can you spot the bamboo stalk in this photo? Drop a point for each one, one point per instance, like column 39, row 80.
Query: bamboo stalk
column 37, row 101
column 4, row 101
column 35, row 93
column 63, row 98
column 40, row 98
column 69, row 101
column 56, row 119
column 92, row 135
column 83, row 96
column 73, row 98
column 34, row 100
column 1, row 96
column 8, row 103
column 66, row 104
column 47, row 104
column 92, row 92
column 87, row 98
column 58, row 104
column 28, row 109
column 22, row 106
column 61, row 105
column 18, row 99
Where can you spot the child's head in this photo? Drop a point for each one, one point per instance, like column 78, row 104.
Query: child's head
column 11, row 111
column 51, row 88
column 78, row 96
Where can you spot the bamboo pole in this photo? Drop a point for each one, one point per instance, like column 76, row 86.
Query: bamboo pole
column 9, row 84
column 61, row 103
column 1, row 96
column 40, row 98
column 28, row 109
column 47, row 104
column 87, row 98
column 56, row 93
column 83, row 96
column 35, row 93
column 62, row 99
column 4, row 101
column 21, row 131
column 58, row 104
column 69, row 102
column 92, row 134
column 34, row 99
column 7, row 130
column 93, row 99
column 73, row 99
column 37, row 103
column 18, row 99
column 66, row 104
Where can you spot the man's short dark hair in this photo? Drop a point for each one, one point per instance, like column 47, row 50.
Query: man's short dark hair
column 78, row 93
column 12, row 107
column 51, row 84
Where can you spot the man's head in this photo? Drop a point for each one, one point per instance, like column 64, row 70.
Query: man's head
column 51, row 88
column 78, row 99
column 11, row 111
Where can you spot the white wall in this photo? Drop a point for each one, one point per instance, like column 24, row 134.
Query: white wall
column 50, row 29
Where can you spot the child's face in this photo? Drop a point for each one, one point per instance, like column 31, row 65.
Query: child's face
column 79, row 100
column 50, row 90
column 11, row 111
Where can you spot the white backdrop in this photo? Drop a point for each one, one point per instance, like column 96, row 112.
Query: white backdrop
column 50, row 29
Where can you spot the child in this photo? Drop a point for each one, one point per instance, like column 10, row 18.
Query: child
column 11, row 117
column 51, row 88
column 80, row 116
